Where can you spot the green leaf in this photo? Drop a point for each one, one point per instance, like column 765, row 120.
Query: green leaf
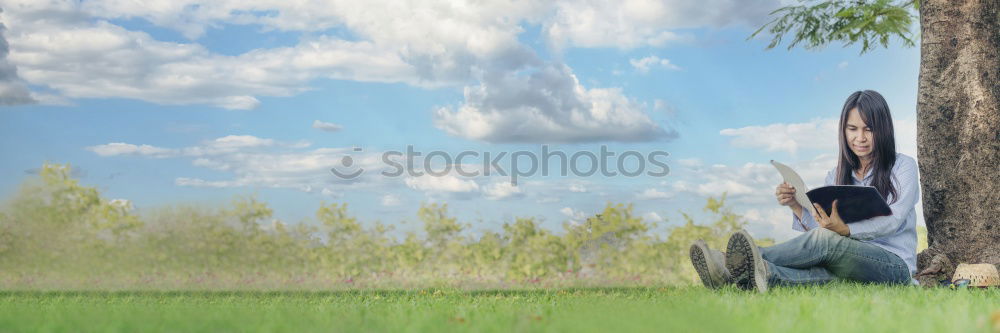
column 816, row 24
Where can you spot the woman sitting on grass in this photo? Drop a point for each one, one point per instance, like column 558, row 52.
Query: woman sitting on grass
column 880, row 249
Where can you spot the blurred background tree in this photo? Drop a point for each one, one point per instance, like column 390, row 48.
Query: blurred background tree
column 57, row 233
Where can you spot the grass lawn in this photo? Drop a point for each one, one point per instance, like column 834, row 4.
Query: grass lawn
column 840, row 307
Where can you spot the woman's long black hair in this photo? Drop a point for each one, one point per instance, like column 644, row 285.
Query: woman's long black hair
column 874, row 112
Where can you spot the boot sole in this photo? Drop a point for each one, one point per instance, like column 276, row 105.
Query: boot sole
column 748, row 271
column 705, row 271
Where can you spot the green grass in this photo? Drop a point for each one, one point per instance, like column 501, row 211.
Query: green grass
column 834, row 308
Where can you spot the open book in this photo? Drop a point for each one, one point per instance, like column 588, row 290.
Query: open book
column 854, row 203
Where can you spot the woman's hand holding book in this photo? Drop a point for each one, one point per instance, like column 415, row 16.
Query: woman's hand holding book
column 833, row 221
column 786, row 197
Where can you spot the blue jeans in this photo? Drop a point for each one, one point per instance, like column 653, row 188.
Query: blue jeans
column 820, row 255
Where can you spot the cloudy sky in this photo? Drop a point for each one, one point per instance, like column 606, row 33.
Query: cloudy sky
column 186, row 101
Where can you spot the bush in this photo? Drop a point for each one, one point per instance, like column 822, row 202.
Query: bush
column 64, row 234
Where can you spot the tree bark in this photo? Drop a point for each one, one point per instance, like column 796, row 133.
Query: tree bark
column 958, row 129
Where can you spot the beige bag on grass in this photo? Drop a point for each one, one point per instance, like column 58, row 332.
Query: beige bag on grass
column 979, row 275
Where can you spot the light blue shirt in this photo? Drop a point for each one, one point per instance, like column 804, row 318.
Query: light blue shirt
column 896, row 233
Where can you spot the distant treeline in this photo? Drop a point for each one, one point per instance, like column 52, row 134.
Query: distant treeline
column 57, row 233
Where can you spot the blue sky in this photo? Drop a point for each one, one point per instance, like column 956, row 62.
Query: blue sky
column 196, row 102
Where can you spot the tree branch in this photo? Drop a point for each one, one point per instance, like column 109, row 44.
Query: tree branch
column 815, row 24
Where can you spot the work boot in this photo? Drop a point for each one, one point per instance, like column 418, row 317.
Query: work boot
column 710, row 265
column 748, row 269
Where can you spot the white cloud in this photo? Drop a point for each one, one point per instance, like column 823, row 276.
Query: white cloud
column 223, row 145
column 906, row 136
column 74, row 49
column 750, row 190
column 774, row 222
column 301, row 170
column 121, row 148
column 714, row 187
column 259, row 162
column 574, row 215
column 501, row 190
column 13, row 92
column 238, row 102
column 577, row 188
column 747, row 183
column 690, row 162
column 545, row 200
column 842, row 65
column 652, row 217
column 12, row 89
column 124, row 204
column 196, row 182
column 390, row 200
column 653, row 194
column 102, row 60
column 327, row 192
column 441, row 184
column 813, row 171
column 659, row 104
column 549, row 105
column 385, row 19
column 427, row 23
column 816, row 134
column 753, row 182
column 231, row 142
column 325, row 126
column 68, row 47
column 637, row 23
column 645, row 64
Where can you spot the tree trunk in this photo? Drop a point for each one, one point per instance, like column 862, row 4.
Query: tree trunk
column 958, row 129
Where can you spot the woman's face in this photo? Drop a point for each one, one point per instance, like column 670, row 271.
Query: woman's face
column 859, row 135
